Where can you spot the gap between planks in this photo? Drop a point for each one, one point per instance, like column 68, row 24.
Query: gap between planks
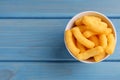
column 68, row 17
column 53, row 61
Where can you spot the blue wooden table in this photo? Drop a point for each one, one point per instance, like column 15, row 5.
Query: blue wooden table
column 32, row 45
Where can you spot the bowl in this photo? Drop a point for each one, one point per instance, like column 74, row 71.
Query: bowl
column 91, row 13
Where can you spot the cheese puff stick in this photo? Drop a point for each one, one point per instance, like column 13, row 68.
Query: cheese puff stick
column 88, row 33
column 81, row 47
column 95, row 40
column 78, row 22
column 93, row 24
column 107, row 31
column 81, row 39
column 103, row 40
column 111, row 44
column 69, row 40
column 90, row 53
column 100, row 56
column 82, row 28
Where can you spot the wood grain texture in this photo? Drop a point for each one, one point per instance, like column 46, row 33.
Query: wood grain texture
column 53, row 8
column 32, row 45
column 59, row 71
column 38, row 39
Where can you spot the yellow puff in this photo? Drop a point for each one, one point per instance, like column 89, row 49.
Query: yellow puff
column 78, row 22
column 94, row 24
column 99, row 57
column 95, row 40
column 107, row 31
column 103, row 40
column 90, row 53
column 82, row 28
column 88, row 33
column 81, row 39
column 111, row 44
column 69, row 40
column 81, row 47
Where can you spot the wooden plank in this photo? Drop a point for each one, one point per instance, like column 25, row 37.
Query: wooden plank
column 39, row 33
column 53, row 8
column 30, row 39
column 59, row 71
column 34, row 53
column 38, row 39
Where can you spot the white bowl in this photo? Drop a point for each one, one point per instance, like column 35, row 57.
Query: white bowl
column 92, row 13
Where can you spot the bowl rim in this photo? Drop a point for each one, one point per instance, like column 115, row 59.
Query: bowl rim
column 71, row 21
